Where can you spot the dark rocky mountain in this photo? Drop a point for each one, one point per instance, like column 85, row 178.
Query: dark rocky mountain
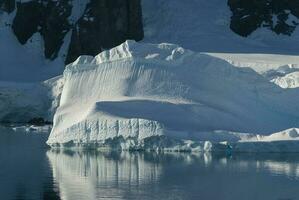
column 104, row 24
column 7, row 5
column 276, row 15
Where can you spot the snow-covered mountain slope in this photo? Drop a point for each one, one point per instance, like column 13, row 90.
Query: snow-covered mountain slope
column 204, row 26
column 136, row 91
column 43, row 41
column 44, row 35
column 24, row 63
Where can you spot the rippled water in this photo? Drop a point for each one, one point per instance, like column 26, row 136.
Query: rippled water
column 30, row 170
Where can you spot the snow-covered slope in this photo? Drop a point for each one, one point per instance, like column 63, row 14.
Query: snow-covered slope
column 25, row 63
column 199, row 25
column 136, row 91
column 204, row 26
column 44, row 35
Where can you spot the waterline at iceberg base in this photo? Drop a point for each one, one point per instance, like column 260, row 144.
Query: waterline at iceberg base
column 164, row 97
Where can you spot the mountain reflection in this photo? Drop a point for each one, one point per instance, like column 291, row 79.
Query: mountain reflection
column 124, row 175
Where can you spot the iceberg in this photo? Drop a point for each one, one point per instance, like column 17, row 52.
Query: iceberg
column 153, row 96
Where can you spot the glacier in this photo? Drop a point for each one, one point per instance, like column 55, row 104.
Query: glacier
column 148, row 96
column 21, row 102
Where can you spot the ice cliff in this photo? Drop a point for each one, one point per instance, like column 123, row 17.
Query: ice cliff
column 140, row 95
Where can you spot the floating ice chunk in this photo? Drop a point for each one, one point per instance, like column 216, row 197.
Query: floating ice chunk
column 138, row 95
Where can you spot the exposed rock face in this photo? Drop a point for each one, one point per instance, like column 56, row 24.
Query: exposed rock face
column 104, row 24
column 280, row 16
column 49, row 18
column 7, row 5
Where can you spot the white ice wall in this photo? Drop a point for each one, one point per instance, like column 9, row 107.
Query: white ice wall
column 141, row 90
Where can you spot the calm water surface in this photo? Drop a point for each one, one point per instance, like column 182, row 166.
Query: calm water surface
column 30, row 170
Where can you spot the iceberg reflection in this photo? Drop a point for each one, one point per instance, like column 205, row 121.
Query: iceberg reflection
column 80, row 175
column 141, row 175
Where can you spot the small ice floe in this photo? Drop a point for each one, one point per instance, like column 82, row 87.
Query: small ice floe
column 33, row 128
